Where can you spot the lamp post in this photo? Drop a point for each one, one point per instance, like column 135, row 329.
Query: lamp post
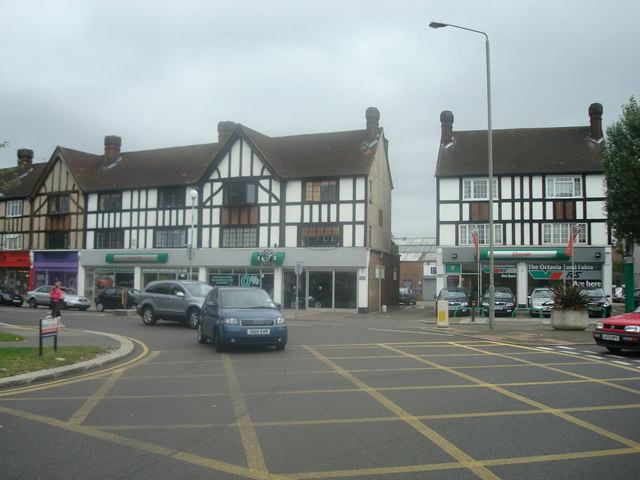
column 492, row 288
column 193, row 193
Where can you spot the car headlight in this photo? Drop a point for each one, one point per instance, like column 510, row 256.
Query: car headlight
column 599, row 325
column 485, row 304
column 230, row 321
column 632, row 328
column 279, row 320
column 464, row 304
column 510, row 304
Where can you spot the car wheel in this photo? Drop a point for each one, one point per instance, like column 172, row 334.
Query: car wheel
column 99, row 307
column 202, row 338
column 193, row 318
column 33, row 303
column 317, row 304
column 148, row 316
column 217, row 344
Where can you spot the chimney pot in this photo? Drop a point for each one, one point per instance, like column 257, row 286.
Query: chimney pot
column 25, row 160
column 373, row 117
column 225, row 129
column 595, row 114
column 446, row 120
column 112, row 144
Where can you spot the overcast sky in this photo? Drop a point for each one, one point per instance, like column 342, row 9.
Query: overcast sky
column 163, row 73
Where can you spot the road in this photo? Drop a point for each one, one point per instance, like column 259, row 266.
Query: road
column 352, row 397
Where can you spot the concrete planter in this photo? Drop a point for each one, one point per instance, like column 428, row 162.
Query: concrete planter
column 569, row 319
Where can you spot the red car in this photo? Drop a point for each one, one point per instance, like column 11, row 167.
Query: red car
column 621, row 332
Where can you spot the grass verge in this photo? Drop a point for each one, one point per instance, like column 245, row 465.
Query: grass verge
column 18, row 360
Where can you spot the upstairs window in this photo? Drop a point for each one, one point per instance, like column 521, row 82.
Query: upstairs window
column 110, row 202
column 483, row 233
column 171, row 197
column 13, row 241
column 478, row 189
column 558, row 233
column 110, row 238
column 56, row 240
column 321, row 191
column 14, row 208
column 320, row 236
column 564, row 187
column 240, row 193
column 170, row 238
column 58, row 204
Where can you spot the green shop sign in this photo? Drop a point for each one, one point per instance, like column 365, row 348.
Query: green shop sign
column 267, row 257
column 540, row 254
column 137, row 257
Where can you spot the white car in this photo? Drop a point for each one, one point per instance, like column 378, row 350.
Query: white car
column 542, row 299
column 40, row 296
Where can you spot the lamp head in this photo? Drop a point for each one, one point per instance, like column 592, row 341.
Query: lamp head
column 438, row 25
column 193, row 193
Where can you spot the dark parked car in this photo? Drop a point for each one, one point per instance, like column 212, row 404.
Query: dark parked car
column 458, row 298
column 621, row 332
column 175, row 300
column 241, row 316
column 598, row 302
column 9, row 297
column 407, row 296
column 504, row 301
column 117, row 297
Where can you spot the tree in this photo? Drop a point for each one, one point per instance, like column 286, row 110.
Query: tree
column 622, row 178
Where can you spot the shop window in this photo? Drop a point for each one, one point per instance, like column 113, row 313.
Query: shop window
column 110, row 202
column 170, row 238
column 320, row 236
column 171, row 197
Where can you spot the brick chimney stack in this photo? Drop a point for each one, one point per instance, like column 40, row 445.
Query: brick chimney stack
column 373, row 117
column 112, row 145
column 225, row 129
column 595, row 114
column 25, row 160
column 446, row 120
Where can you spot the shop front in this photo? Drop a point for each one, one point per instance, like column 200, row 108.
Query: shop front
column 324, row 278
column 14, row 271
column 523, row 270
column 55, row 266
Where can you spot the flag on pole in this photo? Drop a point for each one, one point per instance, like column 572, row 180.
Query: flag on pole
column 476, row 243
column 573, row 234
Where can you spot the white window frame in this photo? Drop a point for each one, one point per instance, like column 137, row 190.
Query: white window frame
column 558, row 233
column 14, row 208
column 478, row 188
column 13, row 241
column 465, row 230
column 564, row 186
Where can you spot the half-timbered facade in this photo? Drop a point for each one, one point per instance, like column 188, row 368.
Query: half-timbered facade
column 306, row 217
column 547, row 183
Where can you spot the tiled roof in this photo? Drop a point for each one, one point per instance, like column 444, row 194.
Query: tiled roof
column 23, row 186
column 522, row 151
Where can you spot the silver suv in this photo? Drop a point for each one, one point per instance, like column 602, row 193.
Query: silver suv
column 175, row 300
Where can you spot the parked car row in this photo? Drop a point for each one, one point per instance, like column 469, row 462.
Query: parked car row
column 112, row 298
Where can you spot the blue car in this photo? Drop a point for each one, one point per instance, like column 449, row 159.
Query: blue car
column 241, row 316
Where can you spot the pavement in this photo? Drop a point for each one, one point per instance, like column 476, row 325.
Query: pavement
column 521, row 330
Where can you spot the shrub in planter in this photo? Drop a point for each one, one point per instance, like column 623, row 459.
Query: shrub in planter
column 569, row 310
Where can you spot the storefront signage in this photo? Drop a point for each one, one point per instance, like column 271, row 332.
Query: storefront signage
column 587, row 274
column 267, row 257
column 221, row 279
column 137, row 257
column 546, row 254
column 249, row 281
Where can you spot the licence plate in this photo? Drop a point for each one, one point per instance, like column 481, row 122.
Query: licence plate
column 258, row 331
column 615, row 338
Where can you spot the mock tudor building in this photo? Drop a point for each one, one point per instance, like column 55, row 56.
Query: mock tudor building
column 547, row 181
column 306, row 213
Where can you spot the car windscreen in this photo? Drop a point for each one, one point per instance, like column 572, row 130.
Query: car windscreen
column 458, row 295
column 198, row 289
column 249, row 298
column 543, row 294
column 68, row 290
column 501, row 295
column 593, row 293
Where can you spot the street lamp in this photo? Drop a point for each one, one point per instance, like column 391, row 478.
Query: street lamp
column 492, row 288
column 193, row 193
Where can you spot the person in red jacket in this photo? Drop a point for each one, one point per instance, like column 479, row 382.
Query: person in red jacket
column 56, row 297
